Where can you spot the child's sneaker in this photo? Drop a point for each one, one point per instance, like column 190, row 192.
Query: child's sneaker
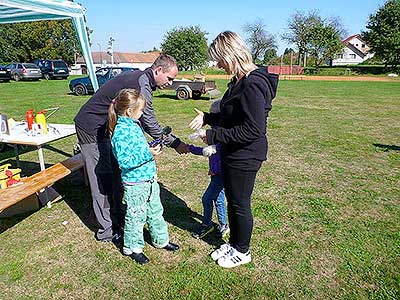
column 234, row 258
column 221, row 251
column 203, row 231
column 223, row 230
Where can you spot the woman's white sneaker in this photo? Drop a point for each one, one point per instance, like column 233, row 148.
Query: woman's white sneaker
column 234, row 258
column 221, row 251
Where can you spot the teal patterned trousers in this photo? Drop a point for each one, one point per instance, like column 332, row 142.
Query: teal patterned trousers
column 143, row 205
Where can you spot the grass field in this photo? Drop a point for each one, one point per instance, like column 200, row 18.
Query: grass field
column 326, row 206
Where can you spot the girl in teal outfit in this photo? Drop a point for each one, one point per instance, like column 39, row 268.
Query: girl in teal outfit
column 138, row 171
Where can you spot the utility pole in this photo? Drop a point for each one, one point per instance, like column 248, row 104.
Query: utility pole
column 110, row 50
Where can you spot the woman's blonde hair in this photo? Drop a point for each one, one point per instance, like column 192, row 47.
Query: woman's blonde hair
column 126, row 98
column 229, row 48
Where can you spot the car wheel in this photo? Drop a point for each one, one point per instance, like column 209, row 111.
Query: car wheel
column 17, row 77
column 46, row 76
column 80, row 90
column 182, row 94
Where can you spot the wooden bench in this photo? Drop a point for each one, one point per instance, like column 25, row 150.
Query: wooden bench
column 32, row 184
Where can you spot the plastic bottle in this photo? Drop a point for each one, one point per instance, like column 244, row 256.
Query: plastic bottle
column 29, row 118
column 41, row 119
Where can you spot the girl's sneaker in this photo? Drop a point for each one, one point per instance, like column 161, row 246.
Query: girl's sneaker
column 221, row 251
column 223, row 230
column 234, row 258
column 203, row 231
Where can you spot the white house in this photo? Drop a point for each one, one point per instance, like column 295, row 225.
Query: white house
column 355, row 51
column 121, row 59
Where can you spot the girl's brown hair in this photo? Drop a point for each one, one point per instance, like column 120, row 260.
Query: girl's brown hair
column 126, row 98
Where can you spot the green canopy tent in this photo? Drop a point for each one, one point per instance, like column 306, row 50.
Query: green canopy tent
column 13, row 11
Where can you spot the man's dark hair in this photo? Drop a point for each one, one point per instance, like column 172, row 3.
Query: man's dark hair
column 165, row 61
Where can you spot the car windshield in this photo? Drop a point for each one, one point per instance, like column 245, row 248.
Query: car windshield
column 31, row 66
column 102, row 72
column 59, row 64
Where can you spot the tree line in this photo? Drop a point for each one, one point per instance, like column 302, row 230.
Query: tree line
column 315, row 40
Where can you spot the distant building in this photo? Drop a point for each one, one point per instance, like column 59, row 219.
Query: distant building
column 355, row 51
column 121, row 59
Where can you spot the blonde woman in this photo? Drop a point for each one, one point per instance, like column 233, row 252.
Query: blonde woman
column 241, row 128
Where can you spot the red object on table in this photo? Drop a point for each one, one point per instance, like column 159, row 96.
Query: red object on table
column 29, row 118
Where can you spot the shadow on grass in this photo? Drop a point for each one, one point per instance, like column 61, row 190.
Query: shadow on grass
column 77, row 196
column 177, row 213
column 9, row 222
column 387, row 147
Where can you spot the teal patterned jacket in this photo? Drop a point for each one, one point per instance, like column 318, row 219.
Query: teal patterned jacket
column 130, row 147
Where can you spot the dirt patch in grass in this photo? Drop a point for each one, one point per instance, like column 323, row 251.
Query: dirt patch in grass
column 319, row 78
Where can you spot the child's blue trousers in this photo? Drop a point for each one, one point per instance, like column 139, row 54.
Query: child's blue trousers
column 214, row 193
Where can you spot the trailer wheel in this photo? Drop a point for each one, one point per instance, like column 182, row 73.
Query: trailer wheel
column 182, row 93
column 196, row 94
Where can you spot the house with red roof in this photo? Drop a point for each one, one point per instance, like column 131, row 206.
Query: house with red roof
column 355, row 51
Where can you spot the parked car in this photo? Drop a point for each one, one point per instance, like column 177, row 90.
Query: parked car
column 5, row 73
column 53, row 69
column 83, row 86
column 20, row 71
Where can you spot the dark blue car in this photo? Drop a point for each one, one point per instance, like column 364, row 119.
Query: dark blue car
column 83, row 86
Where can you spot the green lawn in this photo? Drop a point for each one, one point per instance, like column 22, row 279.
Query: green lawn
column 326, row 206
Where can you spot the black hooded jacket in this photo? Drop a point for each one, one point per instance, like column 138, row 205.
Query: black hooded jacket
column 242, row 122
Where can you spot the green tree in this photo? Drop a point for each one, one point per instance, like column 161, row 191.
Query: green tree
column 259, row 40
column 383, row 33
column 324, row 42
column 299, row 32
column 188, row 45
column 269, row 55
column 314, row 35
column 25, row 42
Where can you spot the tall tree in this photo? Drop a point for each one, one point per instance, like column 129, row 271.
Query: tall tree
column 299, row 32
column 383, row 33
column 259, row 40
column 269, row 56
column 188, row 45
column 325, row 42
column 25, row 42
column 313, row 34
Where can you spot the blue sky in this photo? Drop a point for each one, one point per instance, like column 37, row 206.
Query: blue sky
column 141, row 25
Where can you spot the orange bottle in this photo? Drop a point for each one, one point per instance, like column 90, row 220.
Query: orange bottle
column 29, row 118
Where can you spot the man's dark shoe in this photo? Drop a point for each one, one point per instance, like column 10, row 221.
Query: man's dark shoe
column 171, row 247
column 116, row 239
column 140, row 258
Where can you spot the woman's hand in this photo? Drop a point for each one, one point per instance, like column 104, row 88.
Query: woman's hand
column 156, row 150
column 198, row 121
